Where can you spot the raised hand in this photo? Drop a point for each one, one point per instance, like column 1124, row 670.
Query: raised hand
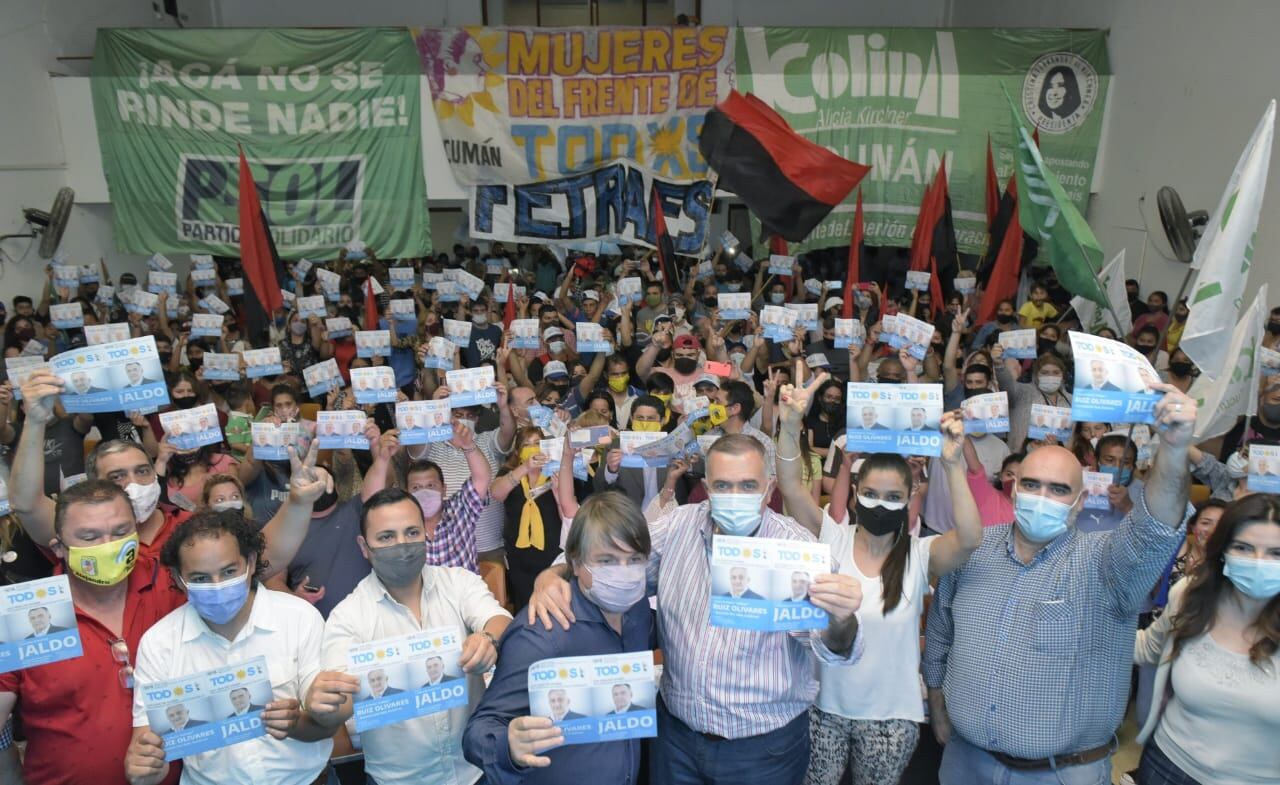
column 794, row 400
column 1175, row 416
column 39, row 396
column 952, row 427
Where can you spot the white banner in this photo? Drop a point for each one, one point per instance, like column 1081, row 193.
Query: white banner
column 1235, row 392
column 1094, row 318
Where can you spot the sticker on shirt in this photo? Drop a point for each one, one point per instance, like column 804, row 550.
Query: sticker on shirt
column 762, row 584
column 338, row 327
column 373, row 343
column 67, row 316
column 1019, row 344
column 779, row 323
column 897, row 418
column 524, row 334
column 734, row 305
column 206, row 325
column 221, row 367
column 423, row 422
column 591, row 338
column 39, row 622
column 471, row 386
column 458, row 332
column 188, row 429
column 312, row 307
column 440, row 353
column 986, row 413
column 1112, row 382
column 1049, row 421
column 849, row 333
column 208, row 710
column 1096, row 487
column 375, row 385
column 20, row 368
column 1264, row 468
column 608, row 697
column 263, row 362
column 322, row 378
column 407, row 676
column 342, row 430
column 111, row 377
column 271, row 442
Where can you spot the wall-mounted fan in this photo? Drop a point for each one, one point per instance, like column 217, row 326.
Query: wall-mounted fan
column 48, row 226
column 1181, row 227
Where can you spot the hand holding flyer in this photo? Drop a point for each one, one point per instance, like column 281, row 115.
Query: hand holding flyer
column 263, row 362
column 734, row 305
column 312, row 307
column 916, row 335
column 373, row 343
column 338, row 327
column 899, row 418
column 322, row 378
column 206, row 325
column 401, row 278
column 1019, row 344
column 781, row 265
column 806, row 315
column 849, row 334
column 206, row 711
column 459, row 332
column 38, row 623
column 779, row 323
column 763, row 584
column 271, row 442
column 471, row 386
column 607, row 697
column 1264, row 468
column 1096, row 485
column 986, row 413
column 440, row 353
column 375, row 385
column 407, row 676
column 67, row 316
column 423, row 422
column 189, row 429
column 221, row 367
column 524, row 334
column 918, row 280
column 1112, row 382
column 342, row 430
column 591, row 338
column 1049, row 421
column 112, row 377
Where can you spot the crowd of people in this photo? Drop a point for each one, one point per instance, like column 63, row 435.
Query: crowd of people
column 1041, row 621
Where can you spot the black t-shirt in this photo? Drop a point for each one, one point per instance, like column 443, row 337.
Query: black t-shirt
column 267, row 492
column 63, row 450
column 484, row 345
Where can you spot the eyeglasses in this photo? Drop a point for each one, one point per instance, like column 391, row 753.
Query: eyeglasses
column 120, row 653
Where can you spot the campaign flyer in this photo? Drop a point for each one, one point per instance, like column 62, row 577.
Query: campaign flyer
column 1019, row 344
column 630, row 290
column 916, row 335
column 111, row 377
column 446, row 291
column 918, row 280
column 373, row 343
column 1270, row 361
column 849, row 333
column 188, row 429
column 432, row 281
column 67, row 316
column 465, row 282
column 781, row 265
column 322, row 378
column 235, row 287
column 20, row 368
column 212, row 302
column 263, row 362
column 66, row 276
column 407, row 676
column 606, row 697
column 1264, row 468
column 524, row 334
column 221, row 367
column 763, row 584
column 97, row 334
column 898, row 418
column 779, row 323
column 641, row 448
column 423, row 422
column 552, row 449
column 440, row 353
column 301, row 268
column 39, row 622
column 986, row 413
column 342, row 430
column 159, row 262
column 403, row 313
column 140, row 302
column 1049, row 420
column 630, row 442
column 208, row 710
column 401, row 278
column 162, row 283
column 271, row 442
column 591, row 338
column 375, row 385
column 965, row 284
column 312, row 306
column 206, row 325
column 590, row 438
column 1096, row 485
column 1112, row 380
column 89, row 274
column 806, row 314
column 889, row 331
column 494, row 265
column 106, row 294
column 471, row 386
column 503, row 291
column 204, row 277
column 330, row 283
column 458, row 332
column 734, row 305
column 338, row 326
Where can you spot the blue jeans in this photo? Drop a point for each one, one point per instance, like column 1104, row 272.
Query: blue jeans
column 965, row 764
column 1157, row 769
column 682, row 756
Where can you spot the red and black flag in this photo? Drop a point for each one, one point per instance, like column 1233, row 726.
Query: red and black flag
column 993, row 187
column 788, row 182
column 662, row 242
column 263, row 270
column 855, row 260
column 999, row 273
column 933, row 243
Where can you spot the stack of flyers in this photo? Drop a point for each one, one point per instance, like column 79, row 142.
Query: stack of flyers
column 781, row 265
column 918, row 280
column 465, row 282
column 401, row 279
column 19, row 368
column 524, row 334
column 986, row 413
column 159, row 262
column 502, row 291
column 140, row 302
column 39, row 621
column 207, row 711
column 1264, row 468
column 1096, row 485
column 494, row 265
column 447, row 291
column 889, row 331
column 457, row 331
column 67, row 316
column 271, row 442
column 373, row 343
column 806, row 315
column 966, row 284
column 221, row 367
column 762, row 584
column 898, row 418
column 106, row 294
column 471, row 386
column 235, row 287
column 342, row 430
column 263, row 362
column 66, row 276
column 213, row 303
column 630, row 290
column 647, row 451
column 162, row 283
column 1048, row 421
column 188, row 429
column 849, row 333
column 423, row 422
column 301, row 268
column 375, row 385
column 338, row 327
column 440, row 352
column 728, row 242
column 552, row 449
column 322, row 378
column 1270, row 361
column 915, row 335
column 1019, row 344
column 605, row 697
column 591, row 338
column 330, row 283
column 431, row 281
column 206, row 325
column 408, row 676
column 779, row 323
column 734, row 305
column 404, row 313
column 313, row 306
column 1112, row 382
column 203, row 276
column 89, row 274
column 112, row 377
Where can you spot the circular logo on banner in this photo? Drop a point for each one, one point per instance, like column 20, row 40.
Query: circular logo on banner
column 1059, row 91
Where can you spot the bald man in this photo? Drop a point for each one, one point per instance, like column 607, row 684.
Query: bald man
column 1029, row 645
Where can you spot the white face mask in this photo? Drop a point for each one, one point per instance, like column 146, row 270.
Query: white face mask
column 555, row 347
column 1049, row 384
column 480, row 319
column 228, row 504
column 144, row 499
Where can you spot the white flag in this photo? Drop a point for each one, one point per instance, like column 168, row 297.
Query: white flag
column 1223, row 400
column 1092, row 317
column 1225, row 254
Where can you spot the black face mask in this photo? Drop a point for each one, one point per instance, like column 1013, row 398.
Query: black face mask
column 1181, row 368
column 195, row 362
column 1273, row 327
column 879, row 521
column 832, row 407
column 183, row 401
column 164, row 357
column 973, row 392
column 1147, row 350
column 686, row 365
column 326, row 500
column 1005, row 318
column 881, row 380
column 710, row 302
column 1046, row 345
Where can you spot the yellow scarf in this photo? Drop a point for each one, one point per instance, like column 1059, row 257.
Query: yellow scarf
column 531, row 531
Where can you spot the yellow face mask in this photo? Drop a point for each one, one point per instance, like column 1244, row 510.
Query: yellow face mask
column 528, row 451
column 105, row 564
column 619, row 383
column 717, row 413
column 664, row 397
column 638, row 425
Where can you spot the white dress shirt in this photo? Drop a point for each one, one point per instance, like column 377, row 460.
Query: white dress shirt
column 426, row 750
column 284, row 629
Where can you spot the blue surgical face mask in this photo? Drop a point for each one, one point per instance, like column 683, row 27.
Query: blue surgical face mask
column 218, row 603
column 737, row 514
column 1119, row 476
column 1040, row 519
column 1256, row 578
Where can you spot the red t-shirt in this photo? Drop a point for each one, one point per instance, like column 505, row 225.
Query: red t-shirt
column 172, row 517
column 77, row 718
column 344, row 351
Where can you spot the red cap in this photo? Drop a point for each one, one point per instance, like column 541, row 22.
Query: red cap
column 686, row 341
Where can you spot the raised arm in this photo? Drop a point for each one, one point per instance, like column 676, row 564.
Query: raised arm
column 566, row 497
column 951, row 377
column 288, row 528
column 793, row 404
column 33, row 509
column 383, row 447
column 952, row 549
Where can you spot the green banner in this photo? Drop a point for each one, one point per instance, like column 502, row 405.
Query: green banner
column 904, row 100
column 329, row 119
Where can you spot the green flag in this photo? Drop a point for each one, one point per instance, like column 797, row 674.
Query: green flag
column 1046, row 212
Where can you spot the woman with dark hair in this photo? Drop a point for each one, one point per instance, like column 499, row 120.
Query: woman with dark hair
column 185, row 472
column 1059, row 93
column 826, row 420
column 602, row 403
column 1218, row 650
column 16, row 335
column 532, row 525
